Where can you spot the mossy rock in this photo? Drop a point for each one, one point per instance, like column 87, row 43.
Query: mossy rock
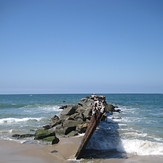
column 26, row 135
column 18, row 136
column 48, row 139
column 60, row 131
column 109, row 108
column 52, row 139
column 41, row 133
column 72, row 133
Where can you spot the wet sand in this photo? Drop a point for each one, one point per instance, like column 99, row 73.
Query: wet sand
column 133, row 159
column 13, row 152
column 64, row 151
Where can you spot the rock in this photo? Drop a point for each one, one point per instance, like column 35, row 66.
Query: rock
column 69, row 129
column 70, row 125
column 69, row 110
column 59, row 130
column 63, row 107
column 85, row 102
column 54, row 151
column 18, row 136
column 26, row 135
column 118, row 110
column 55, row 140
column 109, row 108
column 55, row 121
column 48, row 139
column 72, row 133
column 85, row 112
column 81, row 128
column 75, row 118
column 54, row 118
column 88, row 112
column 41, row 133
column 46, row 127
column 46, row 135
column 52, row 139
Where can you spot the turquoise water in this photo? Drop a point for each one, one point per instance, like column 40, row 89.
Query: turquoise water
column 137, row 129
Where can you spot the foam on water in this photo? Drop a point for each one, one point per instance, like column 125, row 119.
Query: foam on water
column 110, row 137
column 50, row 108
column 37, row 108
column 141, row 147
column 17, row 120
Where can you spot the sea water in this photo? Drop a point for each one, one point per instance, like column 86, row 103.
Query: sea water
column 137, row 129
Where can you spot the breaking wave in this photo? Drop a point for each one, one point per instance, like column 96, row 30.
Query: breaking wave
column 17, row 120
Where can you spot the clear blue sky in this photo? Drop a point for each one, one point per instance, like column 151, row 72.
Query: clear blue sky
column 81, row 46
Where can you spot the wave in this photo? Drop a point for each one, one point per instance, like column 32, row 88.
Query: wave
column 135, row 146
column 107, row 137
column 18, row 120
column 38, row 108
column 50, row 108
column 141, row 147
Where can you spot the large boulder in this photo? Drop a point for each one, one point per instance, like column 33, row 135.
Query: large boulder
column 46, row 135
column 55, row 121
column 76, row 116
column 85, row 112
column 81, row 128
column 69, row 110
column 85, row 102
column 18, row 136
column 70, row 125
column 52, row 139
column 109, row 108
column 41, row 133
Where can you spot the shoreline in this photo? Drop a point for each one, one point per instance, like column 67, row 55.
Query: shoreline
column 14, row 152
column 64, row 151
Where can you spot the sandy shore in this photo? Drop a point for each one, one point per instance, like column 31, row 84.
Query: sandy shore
column 13, row 152
column 64, row 151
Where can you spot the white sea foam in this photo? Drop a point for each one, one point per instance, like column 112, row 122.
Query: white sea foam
column 50, row 108
column 41, row 108
column 75, row 160
column 141, row 147
column 122, row 124
column 17, row 120
column 135, row 146
column 134, row 134
column 13, row 140
column 107, row 137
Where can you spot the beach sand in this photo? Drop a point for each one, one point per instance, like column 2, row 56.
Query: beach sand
column 64, row 151
column 13, row 152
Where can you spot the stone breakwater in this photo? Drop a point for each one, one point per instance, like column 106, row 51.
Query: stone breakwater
column 73, row 119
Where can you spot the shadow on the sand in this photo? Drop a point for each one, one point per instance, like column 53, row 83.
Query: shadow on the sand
column 105, row 142
column 102, row 154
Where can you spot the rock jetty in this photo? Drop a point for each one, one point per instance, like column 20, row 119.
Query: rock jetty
column 74, row 119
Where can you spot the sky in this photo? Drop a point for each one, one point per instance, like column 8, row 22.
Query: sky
column 81, row 46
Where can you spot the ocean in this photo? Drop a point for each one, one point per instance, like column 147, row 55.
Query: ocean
column 137, row 129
